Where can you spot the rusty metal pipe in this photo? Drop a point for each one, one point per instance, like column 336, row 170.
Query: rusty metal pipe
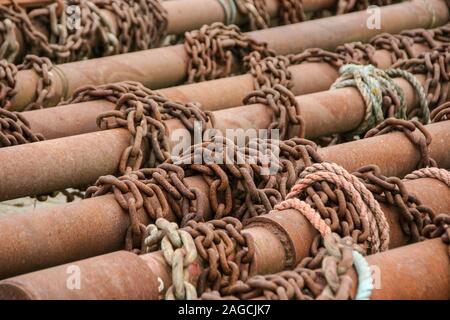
column 224, row 93
column 286, row 232
column 405, row 275
column 61, row 166
column 416, row 272
column 164, row 67
column 99, row 225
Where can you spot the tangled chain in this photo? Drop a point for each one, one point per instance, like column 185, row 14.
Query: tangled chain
column 414, row 131
column 435, row 65
column 179, row 251
column 273, row 80
column 224, row 250
column 15, row 130
column 441, row 113
column 329, row 281
column 248, row 181
column 350, row 194
column 401, row 45
column 441, row 222
column 81, row 29
column 379, row 91
column 211, row 51
column 45, row 89
column 306, row 281
column 242, row 185
column 414, row 216
column 286, row 114
column 143, row 112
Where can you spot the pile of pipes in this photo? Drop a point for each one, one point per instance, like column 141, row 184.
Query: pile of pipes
column 225, row 149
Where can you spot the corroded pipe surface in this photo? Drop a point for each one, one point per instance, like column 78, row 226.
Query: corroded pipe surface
column 101, row 223
column 165, row 67
column 325, row 112
column 79, row 160
column 403, row 273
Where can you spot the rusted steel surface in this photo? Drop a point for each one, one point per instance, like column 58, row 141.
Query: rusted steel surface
column 396, row 266
column 91, row 216
column 416, row 272
column 94, row 154
column 108, row 278
column 325, row 113
column 82, row 229
column 164, row 67
column 298, row 233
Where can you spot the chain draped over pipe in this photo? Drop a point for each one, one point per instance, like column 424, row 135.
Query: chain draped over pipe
column 247, row 182
column 307, row 280
column 224, row 250
column 80, row 29
column 414, row 131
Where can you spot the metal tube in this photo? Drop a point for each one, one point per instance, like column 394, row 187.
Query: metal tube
column 93, row 217
column 164, row 67
column 281, row 230
column 416, row 272
column 79, row 160
column 224, row 93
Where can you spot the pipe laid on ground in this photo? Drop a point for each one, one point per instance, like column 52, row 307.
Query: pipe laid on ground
column 77, row 161
column 213, row 95
column 96, row 226
column 165, row 67
column 281, row 240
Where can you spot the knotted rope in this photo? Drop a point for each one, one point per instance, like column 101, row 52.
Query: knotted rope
column 374, row 85
column 366, row 205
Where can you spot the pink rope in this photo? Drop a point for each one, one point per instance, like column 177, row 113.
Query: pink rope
column 434, row 173
column 306, row 210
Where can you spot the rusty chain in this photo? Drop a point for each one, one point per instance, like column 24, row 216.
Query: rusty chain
column 140, row 25
column 272, row 79
column 414, row 216
column 45, row 88
column 242, row 186
column 435, row 66
column 225, row 252
column 441, row 113
column 344, row 203
column 414, row 131
column 212, row 50
column 309, row 280
column 329, row 281
column 143, row 112
column 179, row 251
column 248, row 181
column 441, row 222
column 15, row 130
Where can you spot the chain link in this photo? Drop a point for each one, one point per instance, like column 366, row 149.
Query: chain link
column 179, row 251
column 81, row 29
column 143, row 112
column 212, row 49
column 414, row 131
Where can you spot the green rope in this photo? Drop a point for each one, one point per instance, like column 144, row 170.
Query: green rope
column 230, row 11
column 423, row 101
column 372, row 83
